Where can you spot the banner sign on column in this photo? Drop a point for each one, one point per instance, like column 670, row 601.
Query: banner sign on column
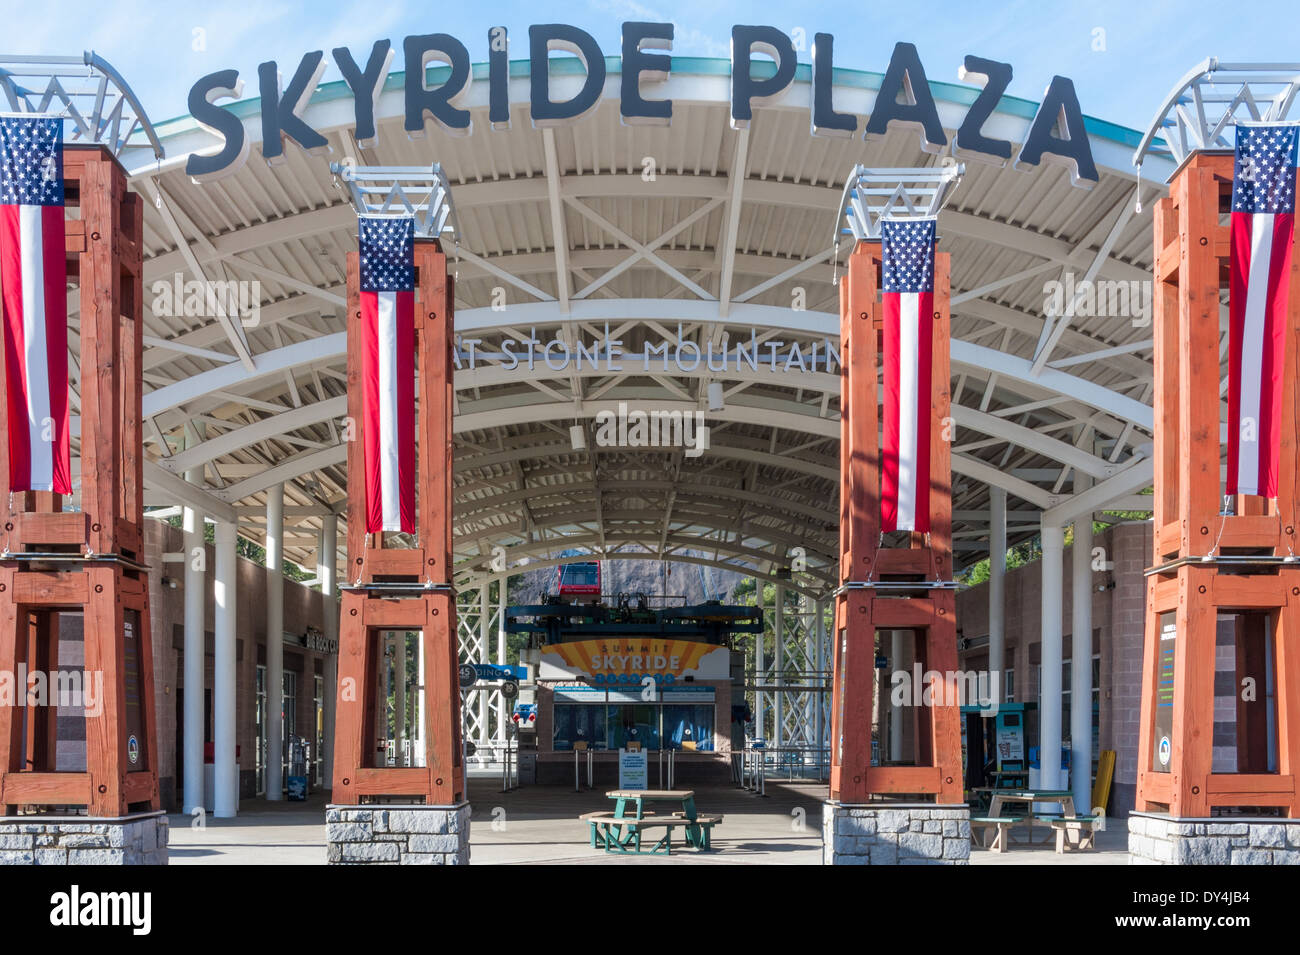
column 33, row 277
column 907, row 287
column 1262, row 230
column 388, row 370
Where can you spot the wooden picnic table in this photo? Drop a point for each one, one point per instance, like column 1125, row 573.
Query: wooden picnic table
column 631, row 804
column 1027, row 797
column 637, row 799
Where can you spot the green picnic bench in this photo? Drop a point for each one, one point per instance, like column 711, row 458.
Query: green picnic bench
column 1076, row 831
column 999, row 826
column 615, row 833
column 621, row 830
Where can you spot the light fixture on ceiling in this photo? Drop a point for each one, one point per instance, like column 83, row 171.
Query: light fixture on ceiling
column 716, row 401
column 578, row 437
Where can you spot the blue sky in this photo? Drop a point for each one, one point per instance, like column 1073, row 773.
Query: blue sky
column 162, row 48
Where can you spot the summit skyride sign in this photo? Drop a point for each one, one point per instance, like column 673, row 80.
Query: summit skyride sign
column 763, row 63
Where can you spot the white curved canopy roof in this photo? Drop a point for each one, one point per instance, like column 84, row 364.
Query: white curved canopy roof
column 720, row 238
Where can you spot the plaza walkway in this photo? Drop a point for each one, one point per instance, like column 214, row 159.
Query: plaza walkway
column 540, row 824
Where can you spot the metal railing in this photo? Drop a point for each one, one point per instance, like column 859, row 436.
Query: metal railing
column 751, row 767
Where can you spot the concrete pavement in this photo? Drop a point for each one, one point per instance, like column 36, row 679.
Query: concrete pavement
column 541, row 825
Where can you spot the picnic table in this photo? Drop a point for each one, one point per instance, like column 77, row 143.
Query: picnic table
column 1003, row 822
column 621, row 830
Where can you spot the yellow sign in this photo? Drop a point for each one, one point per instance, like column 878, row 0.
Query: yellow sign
column 616, row 661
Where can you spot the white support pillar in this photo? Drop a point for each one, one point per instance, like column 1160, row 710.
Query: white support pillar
column 819, row 661
column 503, row 715
column 1081, row 658
column 1049, row 688
column 226, row 773
column 399, row 699
column 997, row 591
column 274, row 643
column 760, row 716
column 326, row 558
column 196, row 581
column 484, row 656
column 419, row 751
column 778, row 657
column 896, row 638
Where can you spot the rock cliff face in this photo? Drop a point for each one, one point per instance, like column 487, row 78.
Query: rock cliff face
column 650, row 577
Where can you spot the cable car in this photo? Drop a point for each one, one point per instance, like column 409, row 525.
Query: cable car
column 580, row 580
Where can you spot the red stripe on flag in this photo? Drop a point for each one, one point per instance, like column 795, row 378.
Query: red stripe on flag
column 889, row 448
column 1272, row 372
column 405, row 399
column 54, row 348
column 11, row 282
column 370, row 409
column 54, row 255
column 406, row 408
column 924, row 418
column 1268, row 365
column 891, row 475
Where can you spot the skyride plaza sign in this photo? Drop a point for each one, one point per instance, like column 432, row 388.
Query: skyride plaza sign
column 904, row 97
column 615, row 663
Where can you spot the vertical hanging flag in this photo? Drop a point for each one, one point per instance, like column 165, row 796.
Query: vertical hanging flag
column 388, row 370
column 907, row 286
column 1263, row 225
column 33, row 284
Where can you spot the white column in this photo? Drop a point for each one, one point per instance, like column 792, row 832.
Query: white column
column 997, row 590
column 1049, row 690
column 226, row 775
column 421, row 750
column 399, row 699
column 484, row 656
column 778, row 653
column 1081, row 659
column 503, row 714
column 820, row 664
column 274, row 642
column 326, row 557
column 196, row 579
column 760, row 717
column 896, row 638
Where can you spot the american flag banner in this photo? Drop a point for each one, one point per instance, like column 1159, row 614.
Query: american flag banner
column 1262, row 231
column 33, row 285
column 388, row 370
column 907, row 287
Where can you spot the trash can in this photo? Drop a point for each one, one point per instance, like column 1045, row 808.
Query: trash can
column 299, row 757
column 527, row 767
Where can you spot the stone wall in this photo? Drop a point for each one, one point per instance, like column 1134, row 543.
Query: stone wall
column 1157, row 839
column 81, row 840
column 895, row 835
column 398, row 834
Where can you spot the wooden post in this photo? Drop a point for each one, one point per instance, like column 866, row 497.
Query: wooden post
column 93, row 565
column 1175, row 752
column 367, row 610
column 860, row 611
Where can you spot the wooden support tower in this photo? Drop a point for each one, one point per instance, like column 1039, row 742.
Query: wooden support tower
column 1210, row 563
column 403, row 589
column 870, row 597
column 64, row 572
